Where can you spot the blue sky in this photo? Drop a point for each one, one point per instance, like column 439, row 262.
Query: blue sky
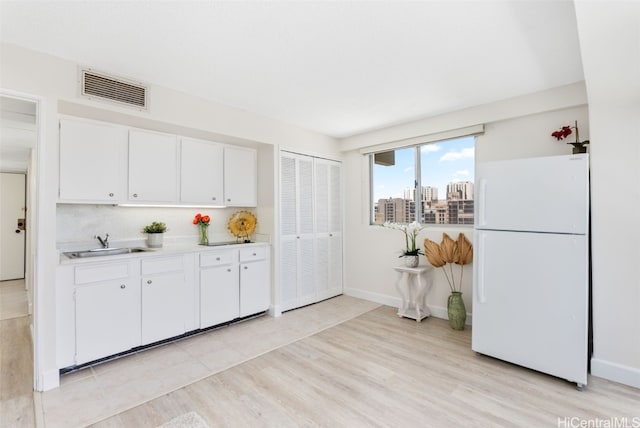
column 442, row 163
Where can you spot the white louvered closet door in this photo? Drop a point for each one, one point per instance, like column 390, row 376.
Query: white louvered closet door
column 322, row 210
column 288, row 231
column 335, row 229
column 328, row 209
column 306, row 286
column 311, row 230
column 296, row 231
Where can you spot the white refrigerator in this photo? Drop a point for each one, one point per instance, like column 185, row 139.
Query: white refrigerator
column 531, row 264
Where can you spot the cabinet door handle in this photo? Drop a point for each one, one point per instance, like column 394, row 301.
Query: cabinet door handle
column 111, row 195
column 254, row 254
column 228, row 200
column 149, row 281
column 135, row 195
column 331, row 234
column 213, row 198
column 245, row 268
column 218, row 258
column 229, row 270
column 123, row 286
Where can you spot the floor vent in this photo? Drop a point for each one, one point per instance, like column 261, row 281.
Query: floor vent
column 113, row 89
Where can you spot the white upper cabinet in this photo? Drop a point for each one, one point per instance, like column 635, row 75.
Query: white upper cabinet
column 201, row 172
column 153, row 167
column 93, row 162
column 240, row 177
column 112, row 164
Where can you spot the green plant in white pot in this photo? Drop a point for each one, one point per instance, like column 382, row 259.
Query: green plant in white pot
column 154, row 233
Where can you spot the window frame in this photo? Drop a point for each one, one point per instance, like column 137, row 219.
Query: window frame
column 417, row 181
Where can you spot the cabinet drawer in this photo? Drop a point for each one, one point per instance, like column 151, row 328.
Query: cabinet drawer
column 217, row 258
column 162, row 265
column 97, row 273
column 254, row 253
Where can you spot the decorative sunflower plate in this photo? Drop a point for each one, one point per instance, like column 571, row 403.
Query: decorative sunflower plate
column 242, row 224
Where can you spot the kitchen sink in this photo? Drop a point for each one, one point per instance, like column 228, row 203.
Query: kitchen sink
column 98, row 252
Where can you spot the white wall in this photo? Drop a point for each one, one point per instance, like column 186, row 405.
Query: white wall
column 55, row 81
column 371, row 251
column 609, row 34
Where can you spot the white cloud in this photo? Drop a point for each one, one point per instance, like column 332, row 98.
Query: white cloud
column 454, row 156
column 464, row 172
column 430, row 148
column 408, row 169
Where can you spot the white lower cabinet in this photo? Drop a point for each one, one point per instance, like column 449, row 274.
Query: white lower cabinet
column 164, row 298
column 108, row 307
column 107, row 319
column 255, row 282
column 219, row 287
column 234, row 284
column 107, row 310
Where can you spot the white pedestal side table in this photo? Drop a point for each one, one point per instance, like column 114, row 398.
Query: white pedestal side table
column 413, row 291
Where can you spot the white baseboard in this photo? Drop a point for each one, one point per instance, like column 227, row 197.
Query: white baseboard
column 615, row 372
column 275, row 310
column 48, row 380
column 383, row 299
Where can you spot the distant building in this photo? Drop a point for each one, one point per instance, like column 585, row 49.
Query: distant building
column 429, row 193
column 410, row 193
column 458, row 208
column 396, row 210
column 460, row 211
column 460, row 190
column 435, row 213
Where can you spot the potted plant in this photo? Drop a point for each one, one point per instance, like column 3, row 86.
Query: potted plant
column 411, row 252
column 154, row 233
column 452, row 252
column 565, row 131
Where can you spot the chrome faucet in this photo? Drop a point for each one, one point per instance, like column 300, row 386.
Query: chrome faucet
column 104, row 242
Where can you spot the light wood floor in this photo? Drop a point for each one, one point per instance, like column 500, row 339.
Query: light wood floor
column 380, row 370
column 13, row 299
column 16, row 361
column 16, row 373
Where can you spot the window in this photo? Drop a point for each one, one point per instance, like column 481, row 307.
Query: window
column 431, row 183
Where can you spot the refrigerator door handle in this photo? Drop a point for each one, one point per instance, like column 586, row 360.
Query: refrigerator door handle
column 479, row 279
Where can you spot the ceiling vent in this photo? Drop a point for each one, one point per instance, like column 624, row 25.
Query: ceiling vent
column 113, row 89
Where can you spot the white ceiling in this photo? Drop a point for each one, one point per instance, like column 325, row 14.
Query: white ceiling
column 336, row 67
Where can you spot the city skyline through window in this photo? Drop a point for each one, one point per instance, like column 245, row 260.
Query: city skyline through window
column 445, row 183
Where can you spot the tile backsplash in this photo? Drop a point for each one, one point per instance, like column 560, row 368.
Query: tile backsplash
column 80, row 223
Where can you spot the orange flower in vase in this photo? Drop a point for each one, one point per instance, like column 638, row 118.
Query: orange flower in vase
column 202, row 221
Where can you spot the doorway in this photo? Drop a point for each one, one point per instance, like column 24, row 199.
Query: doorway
column 13, row 211
column 19, row 137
